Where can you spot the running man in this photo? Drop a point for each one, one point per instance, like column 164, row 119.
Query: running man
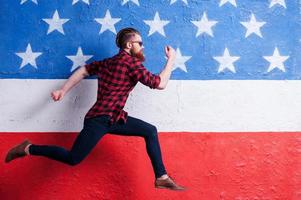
column 117, row 76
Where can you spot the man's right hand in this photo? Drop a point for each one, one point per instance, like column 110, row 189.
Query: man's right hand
column 57, row 95
column 170, row 52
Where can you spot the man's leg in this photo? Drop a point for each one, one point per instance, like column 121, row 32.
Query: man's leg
column 137, row 127
column 92, row 132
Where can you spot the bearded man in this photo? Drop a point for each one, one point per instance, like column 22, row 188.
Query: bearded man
column 117, row 76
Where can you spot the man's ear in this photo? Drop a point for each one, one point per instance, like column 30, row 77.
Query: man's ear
column 129, row 45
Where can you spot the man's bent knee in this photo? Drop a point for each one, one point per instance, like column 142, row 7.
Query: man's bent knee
column 74, row 160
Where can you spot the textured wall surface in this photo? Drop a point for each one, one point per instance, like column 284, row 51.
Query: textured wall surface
column 200, row 30
column 213, row 166
column 192, row 106
column 244, row 97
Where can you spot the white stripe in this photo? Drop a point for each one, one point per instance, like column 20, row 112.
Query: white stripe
column 201, row 106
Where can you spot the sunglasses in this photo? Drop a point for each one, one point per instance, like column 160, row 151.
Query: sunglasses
column 139, row 42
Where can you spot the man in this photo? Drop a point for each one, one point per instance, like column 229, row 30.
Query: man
column 117, row 76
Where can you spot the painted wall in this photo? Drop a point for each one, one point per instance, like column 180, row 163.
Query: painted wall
column 229, row 128
column 213, row 166
column 193, row 106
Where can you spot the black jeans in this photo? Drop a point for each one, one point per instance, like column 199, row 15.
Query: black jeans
column 94, row 129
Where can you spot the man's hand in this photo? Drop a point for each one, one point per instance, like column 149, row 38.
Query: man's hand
column 57, row 95
column 170, row 52
column 165, row 73
column 76, row 77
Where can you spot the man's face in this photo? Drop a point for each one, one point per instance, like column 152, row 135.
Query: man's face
column 137, row 47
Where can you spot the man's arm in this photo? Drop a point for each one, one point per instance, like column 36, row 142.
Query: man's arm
column 76, row 77
column 166, row 72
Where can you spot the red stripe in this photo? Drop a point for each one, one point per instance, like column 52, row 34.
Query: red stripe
column 212, row 166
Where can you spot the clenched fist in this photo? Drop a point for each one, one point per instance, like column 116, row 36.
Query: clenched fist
column 170, row 52
column 57, row 95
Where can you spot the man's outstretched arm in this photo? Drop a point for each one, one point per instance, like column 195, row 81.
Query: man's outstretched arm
column 166, row 72
column 76, row 77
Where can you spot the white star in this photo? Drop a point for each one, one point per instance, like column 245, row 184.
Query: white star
column 134, row 1
column 156, row 25
column 23, row 1
column 280, row 2
column 56, row 23
column 226, row 61
column 222, row 2
column 29, row 57
column 253, row 26
column 107, row 22
column 173, row 1
column 276, row 60
column 204, row 25
column 180, row 61
column 79, row 59
column 85, row 1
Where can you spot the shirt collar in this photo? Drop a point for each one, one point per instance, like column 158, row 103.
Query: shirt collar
column 122, row 51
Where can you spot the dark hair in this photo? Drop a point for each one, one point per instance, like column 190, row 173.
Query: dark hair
column 124, row 35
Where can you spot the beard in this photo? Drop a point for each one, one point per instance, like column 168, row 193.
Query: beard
column 139, row 55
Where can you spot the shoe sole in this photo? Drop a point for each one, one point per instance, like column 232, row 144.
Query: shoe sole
column 163, row 187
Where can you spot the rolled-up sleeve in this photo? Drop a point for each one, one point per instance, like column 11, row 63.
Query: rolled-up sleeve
column 93, row 68
column 139, row 73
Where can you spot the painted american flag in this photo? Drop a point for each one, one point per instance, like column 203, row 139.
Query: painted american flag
column 214, row 39
column 237, row 66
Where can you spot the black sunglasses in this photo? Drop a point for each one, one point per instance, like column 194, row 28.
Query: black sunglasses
column 139, row 42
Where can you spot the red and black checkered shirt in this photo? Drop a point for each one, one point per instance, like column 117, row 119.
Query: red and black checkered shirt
column 117, row 76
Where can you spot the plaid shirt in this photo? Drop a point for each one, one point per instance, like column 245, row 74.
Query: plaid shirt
column 117, row 76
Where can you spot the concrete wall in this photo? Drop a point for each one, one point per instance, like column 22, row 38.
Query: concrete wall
column 193, row 106
column 228, row 130
column 217, row 166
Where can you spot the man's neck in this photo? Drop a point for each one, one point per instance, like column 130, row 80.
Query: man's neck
column 127, row 50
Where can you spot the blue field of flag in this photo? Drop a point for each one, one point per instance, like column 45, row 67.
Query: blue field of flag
column 214, row 39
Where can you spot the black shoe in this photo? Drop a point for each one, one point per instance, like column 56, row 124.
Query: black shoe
column 17, row 151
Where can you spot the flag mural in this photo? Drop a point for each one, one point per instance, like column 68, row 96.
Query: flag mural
column 237, row 69
column 215, row 40
column 222, row 48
